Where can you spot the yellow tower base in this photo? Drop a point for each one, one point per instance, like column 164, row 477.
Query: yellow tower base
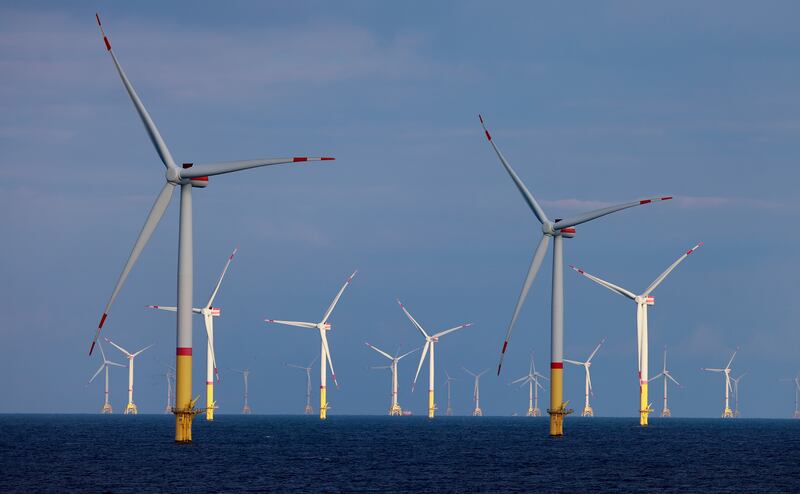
column 727, row 413
column 556, row 396
column 210, row 404
column 107, row 408
column 431, row 404
column 477, row 412
column 130, row 409
column 534, row 412
column 644, row 407
column 395, row 411
column 587, row 412
column 323, row 404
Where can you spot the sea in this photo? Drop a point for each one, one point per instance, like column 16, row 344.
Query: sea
column 263, row 453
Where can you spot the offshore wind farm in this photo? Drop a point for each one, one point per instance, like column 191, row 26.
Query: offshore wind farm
column 468, row 143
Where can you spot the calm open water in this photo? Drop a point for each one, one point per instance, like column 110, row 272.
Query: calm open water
column 93, row 453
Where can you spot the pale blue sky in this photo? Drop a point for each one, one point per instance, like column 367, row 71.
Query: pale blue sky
column 592, row 103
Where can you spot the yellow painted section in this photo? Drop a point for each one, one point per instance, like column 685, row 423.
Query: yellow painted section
column 644, row 406
column 209, row 401
column 323, row 404
column 184, row 413
column 431, row 404
column 556, row 402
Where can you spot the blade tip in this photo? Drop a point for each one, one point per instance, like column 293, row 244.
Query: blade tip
column 327, row 158
column 91, row 348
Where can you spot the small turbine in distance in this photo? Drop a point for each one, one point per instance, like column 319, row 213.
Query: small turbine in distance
column 587, row 409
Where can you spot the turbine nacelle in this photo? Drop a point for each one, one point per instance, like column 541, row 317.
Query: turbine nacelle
column 325, row 326
column 646, row 300
column 211, row 311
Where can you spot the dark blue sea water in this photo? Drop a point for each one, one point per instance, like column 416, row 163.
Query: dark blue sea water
column 88, row 453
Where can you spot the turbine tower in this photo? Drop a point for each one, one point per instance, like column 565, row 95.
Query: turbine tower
column 532, row 380
column 796, row 381
column 395, row 409
column 325, row 354
column 449, row 382
column 130, row 408
column 557, row 229
column 209, row 313
column 665, row 412
column 430, row 344
column 245, row 374
column 104, row 366
column 735, row 382
column 587, row 409
column 727, row 413
column 308, row 409
column 642, row 302
column 476, row 391
column 186, row 176
column 170, row 375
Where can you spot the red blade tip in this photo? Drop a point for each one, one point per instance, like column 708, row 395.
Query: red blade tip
column 327, row 158
column 91, row 349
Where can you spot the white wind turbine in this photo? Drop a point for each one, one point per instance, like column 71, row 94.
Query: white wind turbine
column 796, row 381
column 476, row 391
column 186, row 176
column 727, row 412
column 170, row 375
column 665, row 412
column 395, row 409
column 449, row 411
column 587, row 409
column 532, row 380
column 209, row 313
column 245, row 374
column 557, row 229
column 308, row 409
column 430, row 343
column 104, row 366
column 735, row 382
column 130, row 408
column 642, row 301
column 325, row 353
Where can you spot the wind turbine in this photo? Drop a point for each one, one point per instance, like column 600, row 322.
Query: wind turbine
column 430, row 343
column 587, row 409
column 309, row 409
column 476, row 391
column 209, row 313
column 186, row 176
column 532, row 380
column 727, row 413
column 449, row 382
column 325, row 354
column 642, row 302
column 130, row 408
column 735, row 382
column 796, row 381
column 170, row 375
column 245, row 374
column 104, row 366
column 557, row 229
column 665, row 412
column 395, row 409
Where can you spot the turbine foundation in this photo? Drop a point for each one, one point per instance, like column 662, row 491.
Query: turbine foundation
column 727, row 413
column 395, row 411
column 587, row 412
column 557, row 419
column 477, row 412
column 534, row 412
column 107, row 408
column 246, row 410
column 308, row 410
column 665, row 412
column 130, row 409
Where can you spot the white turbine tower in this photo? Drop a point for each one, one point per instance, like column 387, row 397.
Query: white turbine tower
column 308, row 409
column 476, row 391
column 557, row 229
column 449, row 411
column 395, row 409
column 727, row 413
column 532, row 380
column 209, row 313
column 325, row 354
column 170, row 375
column 246, row 375
column 796, row 382
column 735, row 382
column 104, row 366
column 430, row 344
column 130, row 408
column 587, row 409
column 665, row 412
column 642, row 338
column 186, row 176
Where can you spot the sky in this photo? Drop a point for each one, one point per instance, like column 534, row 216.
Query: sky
column 593, row 104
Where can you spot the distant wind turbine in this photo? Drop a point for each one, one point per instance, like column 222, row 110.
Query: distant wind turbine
column 246, row 410
column 727, row 413
column 395, row 409
column 532, row 380
column 476, row 391
column 665, row 412
column 130, row 408
column 104, row 367
column 308, row 410
column 587, row 409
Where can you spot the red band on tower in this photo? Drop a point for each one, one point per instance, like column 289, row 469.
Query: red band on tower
column 556, row 365
column 184, row 352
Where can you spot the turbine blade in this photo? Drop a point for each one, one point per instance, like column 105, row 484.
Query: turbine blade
column 663, row 275
column 156, row 212
column 221, row 276
column 379, row 351
column 421, row 360
column 602, row 282
column 210, row 169
column 149, row 125
column 447, row 331
column 407, row 353
column 108, row 362
column 595, row 350
column 673, row 379
column 143, row 349
column 731, row 360
column 102, row 353
column 209, row 325
column 656, row 377
column 526, row 194
column 597, row 213
column 469, row 372
column 712, row 370
column 102, row 366
column 573, row 362
column 338, row 296
column 589, row 379
column 536, row 263
column 328, row 356
column 161, row 307
column 299, row 324
column 411, row 318
column 118, row 347
column 523, row 378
